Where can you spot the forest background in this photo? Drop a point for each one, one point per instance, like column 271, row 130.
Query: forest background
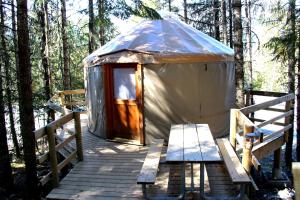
column 43, row 44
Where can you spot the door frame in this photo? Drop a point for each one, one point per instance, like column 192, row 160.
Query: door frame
column 109, row 97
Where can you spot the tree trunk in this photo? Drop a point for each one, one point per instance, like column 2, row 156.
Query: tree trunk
column 25, row 101
column 43, row 19
column 224, row 22
column 249, row 42
column 216, row 19
column 298, row 99
column 91, row 27
column 185, row 11
column 66, row 60
column 101, row 10
column 170, row 7
column 238, row 53
column 15, row 39
column 5, row 169
column 230, row 23
column 291, row 17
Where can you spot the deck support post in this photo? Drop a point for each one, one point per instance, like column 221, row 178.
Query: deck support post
column 53, row 156
column 233, row 126
column 78, row 135
column 276, row 173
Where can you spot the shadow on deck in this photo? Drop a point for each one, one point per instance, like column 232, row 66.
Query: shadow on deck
column 110, row 170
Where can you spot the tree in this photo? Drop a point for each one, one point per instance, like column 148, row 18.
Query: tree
column 291, row 48
column 25, row 101
column 216, row 19
column 230, row 24
column 238, row 53
column 101, row 13
column 185, row 11
column 91, row 27
column 8, row 90
column 5, row 168
column 298, row 98
column 249, row 36
column 224, row 22
column 44, row 25
column 284, row 49
column 65, row 47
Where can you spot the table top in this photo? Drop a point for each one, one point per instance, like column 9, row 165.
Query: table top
column 192, row 143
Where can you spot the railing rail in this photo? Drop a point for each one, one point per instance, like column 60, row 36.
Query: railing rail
column 66, row 100
column 250, row 136
column 49, row 131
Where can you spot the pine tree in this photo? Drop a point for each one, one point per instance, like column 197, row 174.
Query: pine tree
column 65, row 47
column 291, row 48
column 5, row 168
column 25, row 101
column 238, row 53
column 91, row 27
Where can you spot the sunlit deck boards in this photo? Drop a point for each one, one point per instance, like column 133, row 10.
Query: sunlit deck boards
column 110, row 170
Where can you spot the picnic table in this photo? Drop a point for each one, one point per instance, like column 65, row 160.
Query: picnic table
column 192, row 143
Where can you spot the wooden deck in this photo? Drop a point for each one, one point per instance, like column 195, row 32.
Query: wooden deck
column 110, row 170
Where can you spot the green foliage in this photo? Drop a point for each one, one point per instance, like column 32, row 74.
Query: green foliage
column 121, row 9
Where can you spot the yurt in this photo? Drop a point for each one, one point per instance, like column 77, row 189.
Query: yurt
column 159, row 73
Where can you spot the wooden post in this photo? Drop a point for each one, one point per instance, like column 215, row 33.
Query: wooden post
column 53, row 156
column 61, row 99
column 247, row 98
column 296, row 175
column 233, row 126
column 247, row 149
column 276, row 164
column 78, row 135
column 287, row 119
column 52, row 114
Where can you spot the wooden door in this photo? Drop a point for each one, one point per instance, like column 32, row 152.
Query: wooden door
column 124, row 97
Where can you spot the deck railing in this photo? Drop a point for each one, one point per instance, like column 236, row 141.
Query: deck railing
column 66, row 100
column 49, row 131
column 254, row 142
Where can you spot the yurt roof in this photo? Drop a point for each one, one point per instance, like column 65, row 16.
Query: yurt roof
column 161, row 41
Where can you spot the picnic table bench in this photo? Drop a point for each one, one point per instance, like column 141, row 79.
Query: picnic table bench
column 234, row 167
column 150, row 167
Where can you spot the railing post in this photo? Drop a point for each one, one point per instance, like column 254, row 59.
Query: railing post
column 287, row 119
column 247, row 149
column 247, row 103
column 78, row 135
column 52, row 114
column 53, row 156
column 276, row 173
column 61, row 99
column 233, row 126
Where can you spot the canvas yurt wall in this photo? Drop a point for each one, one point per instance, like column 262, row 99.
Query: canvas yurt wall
column 173, row 93
column 188, row 93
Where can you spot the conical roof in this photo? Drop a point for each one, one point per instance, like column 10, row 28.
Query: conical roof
column 167, row 38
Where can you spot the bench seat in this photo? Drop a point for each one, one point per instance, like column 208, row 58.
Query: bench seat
column 234, row 167
column 150, row 167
